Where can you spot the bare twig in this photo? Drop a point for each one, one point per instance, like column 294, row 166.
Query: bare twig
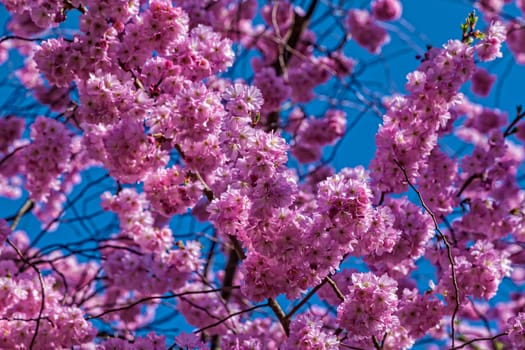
column 155, row 297
column 278, row 311
column 230, row 316
column 511, row 128
column 336, row 289
column 476, row 340
column 305, row 299
column 26, row 207
column 376, row 343
column 467, row 183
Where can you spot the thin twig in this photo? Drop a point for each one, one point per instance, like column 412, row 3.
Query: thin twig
column 306, row 298
column 230, row 316
column 155, row 297
column 336, row 289
column 511, row 128
column 476, row 340
column 467, row 183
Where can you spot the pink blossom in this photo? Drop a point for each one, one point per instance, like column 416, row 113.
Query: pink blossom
column 482, row 82
column 386, row 10
column 46, row 157
column 307, row 333
column 516, row 326
column 515, row 41
column 489, row 47
column 366, row 32
column 370, row 305
column 273, row 88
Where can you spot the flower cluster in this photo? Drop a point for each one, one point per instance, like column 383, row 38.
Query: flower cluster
column 416, row 229
column 46, row 157
column 259, row 333
column 41, row 14
column 437, row 183
column 273, row 88
column 171, row 191
column 490, row 46
column 410, row 127
column 419, row 313
column 479, row 273
column 346, row 200
column 370, row 306
column 365, row 30
column 311, row 135
column 48, row 212
column 131, row 154
column 381, row 236
column 516, row 333
column 231, row 213
column 386, row 10
column 308, row 333
column 105, row 99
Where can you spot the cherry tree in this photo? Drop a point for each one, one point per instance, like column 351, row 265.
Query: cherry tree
column 167, row 178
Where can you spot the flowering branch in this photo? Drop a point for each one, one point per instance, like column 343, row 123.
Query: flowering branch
column 447, row 245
